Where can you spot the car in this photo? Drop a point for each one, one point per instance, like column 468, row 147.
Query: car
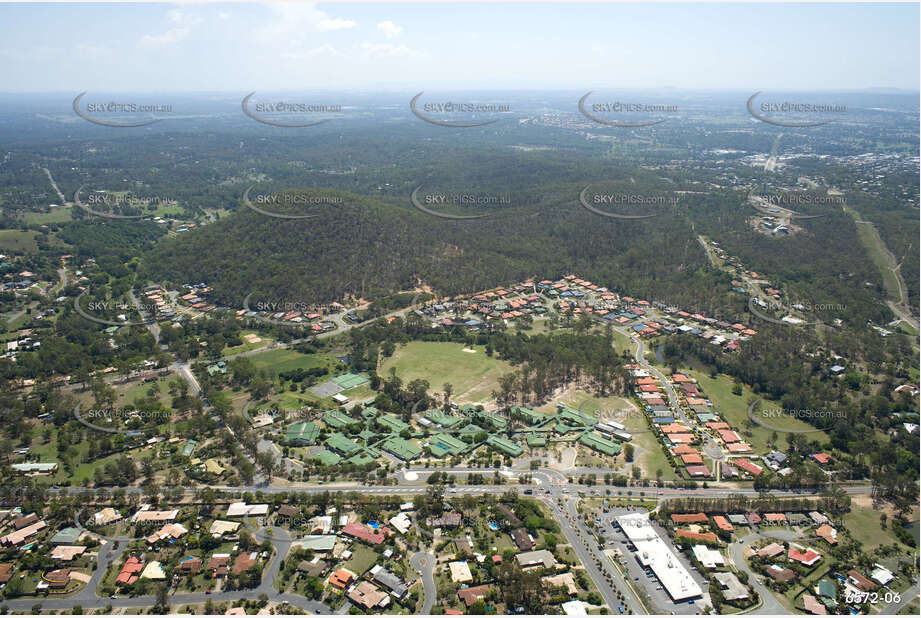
column 112, row 596
column 207, row 592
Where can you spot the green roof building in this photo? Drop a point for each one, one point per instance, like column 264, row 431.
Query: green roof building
column 575, row 417
column 342, row 444
column 443, row 444
column 506, row 446
column 597, row 443
column 337, row 420
column 403, row 449
column 66, row 536
column 392, row 423
column 304, row 433
column 528, row 415
column 188, row 448
column 500, row 423
column 471, row 430
column 326, row 458
column 535, row 440
column 361, row 459
column 441, row 419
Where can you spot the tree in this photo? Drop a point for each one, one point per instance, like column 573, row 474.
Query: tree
column 628, row 452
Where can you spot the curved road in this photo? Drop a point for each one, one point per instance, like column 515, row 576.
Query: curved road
column 424, row 563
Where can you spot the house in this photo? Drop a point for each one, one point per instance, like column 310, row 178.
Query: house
column 753, row 518
column 312, row 568
column 780, row 574
column 67, row 553
column 689, row 518
column 722, row 524
column 66, row 536
column 18, row 537
column 821, row 458
column 342, row 578
column 732, row 589
column 829, row 534
column 775, row 460
column 192, row 565
column 153, row 570
column 220, row 527
column 448, row 520
column 359, row 531
column 241, row 509
column 745, row 465
column 813, row 606
column 6, row 572
column 860, row 581
column 56, row 580
column 243, row 562
column 709, row 558
column 106, row 516
column 574, row 608
column 808, row 557
column 367, row 595
column 471, row 595
column 130, row 571
column 775, row 518
column 26, row 520
column 401, row 522
column 168, row 531
column 387, row 579
column 881, row 575
column 771, row 551
column 522, row 539
column 460, row 572
column 707, row 537
column 541, row 557
column 562, row 580
column 218, row 565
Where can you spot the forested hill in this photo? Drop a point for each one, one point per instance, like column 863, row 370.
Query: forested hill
column 369, row 248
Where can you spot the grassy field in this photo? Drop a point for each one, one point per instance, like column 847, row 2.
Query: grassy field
column 55, row 215
column 879, row 254
column 17, row 240
column 278, row 361
column 245, row 346
column 863, row 523
column 363, row 558
column 472, row 374
column 734, row 410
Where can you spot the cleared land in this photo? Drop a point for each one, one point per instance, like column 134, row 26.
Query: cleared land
column 474, row 376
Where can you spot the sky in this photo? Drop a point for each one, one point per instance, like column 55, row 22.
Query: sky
column 237, row 47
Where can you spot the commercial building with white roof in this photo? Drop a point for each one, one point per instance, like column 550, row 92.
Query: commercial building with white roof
column 654, row 552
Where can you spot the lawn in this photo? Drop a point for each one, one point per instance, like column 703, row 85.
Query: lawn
column 55, row 215
column 245, row 346
column 649, row 455
column 863, row 524
column 278, row 361
column 734, row 410
column 17, row 240
column 363, row 558
column 473, row 375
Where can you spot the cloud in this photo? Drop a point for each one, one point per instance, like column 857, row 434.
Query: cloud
column 386, row 50
column 390, row 29
column 323, row 50
column 223, row 15
column 289, row 22
column 183, row 22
